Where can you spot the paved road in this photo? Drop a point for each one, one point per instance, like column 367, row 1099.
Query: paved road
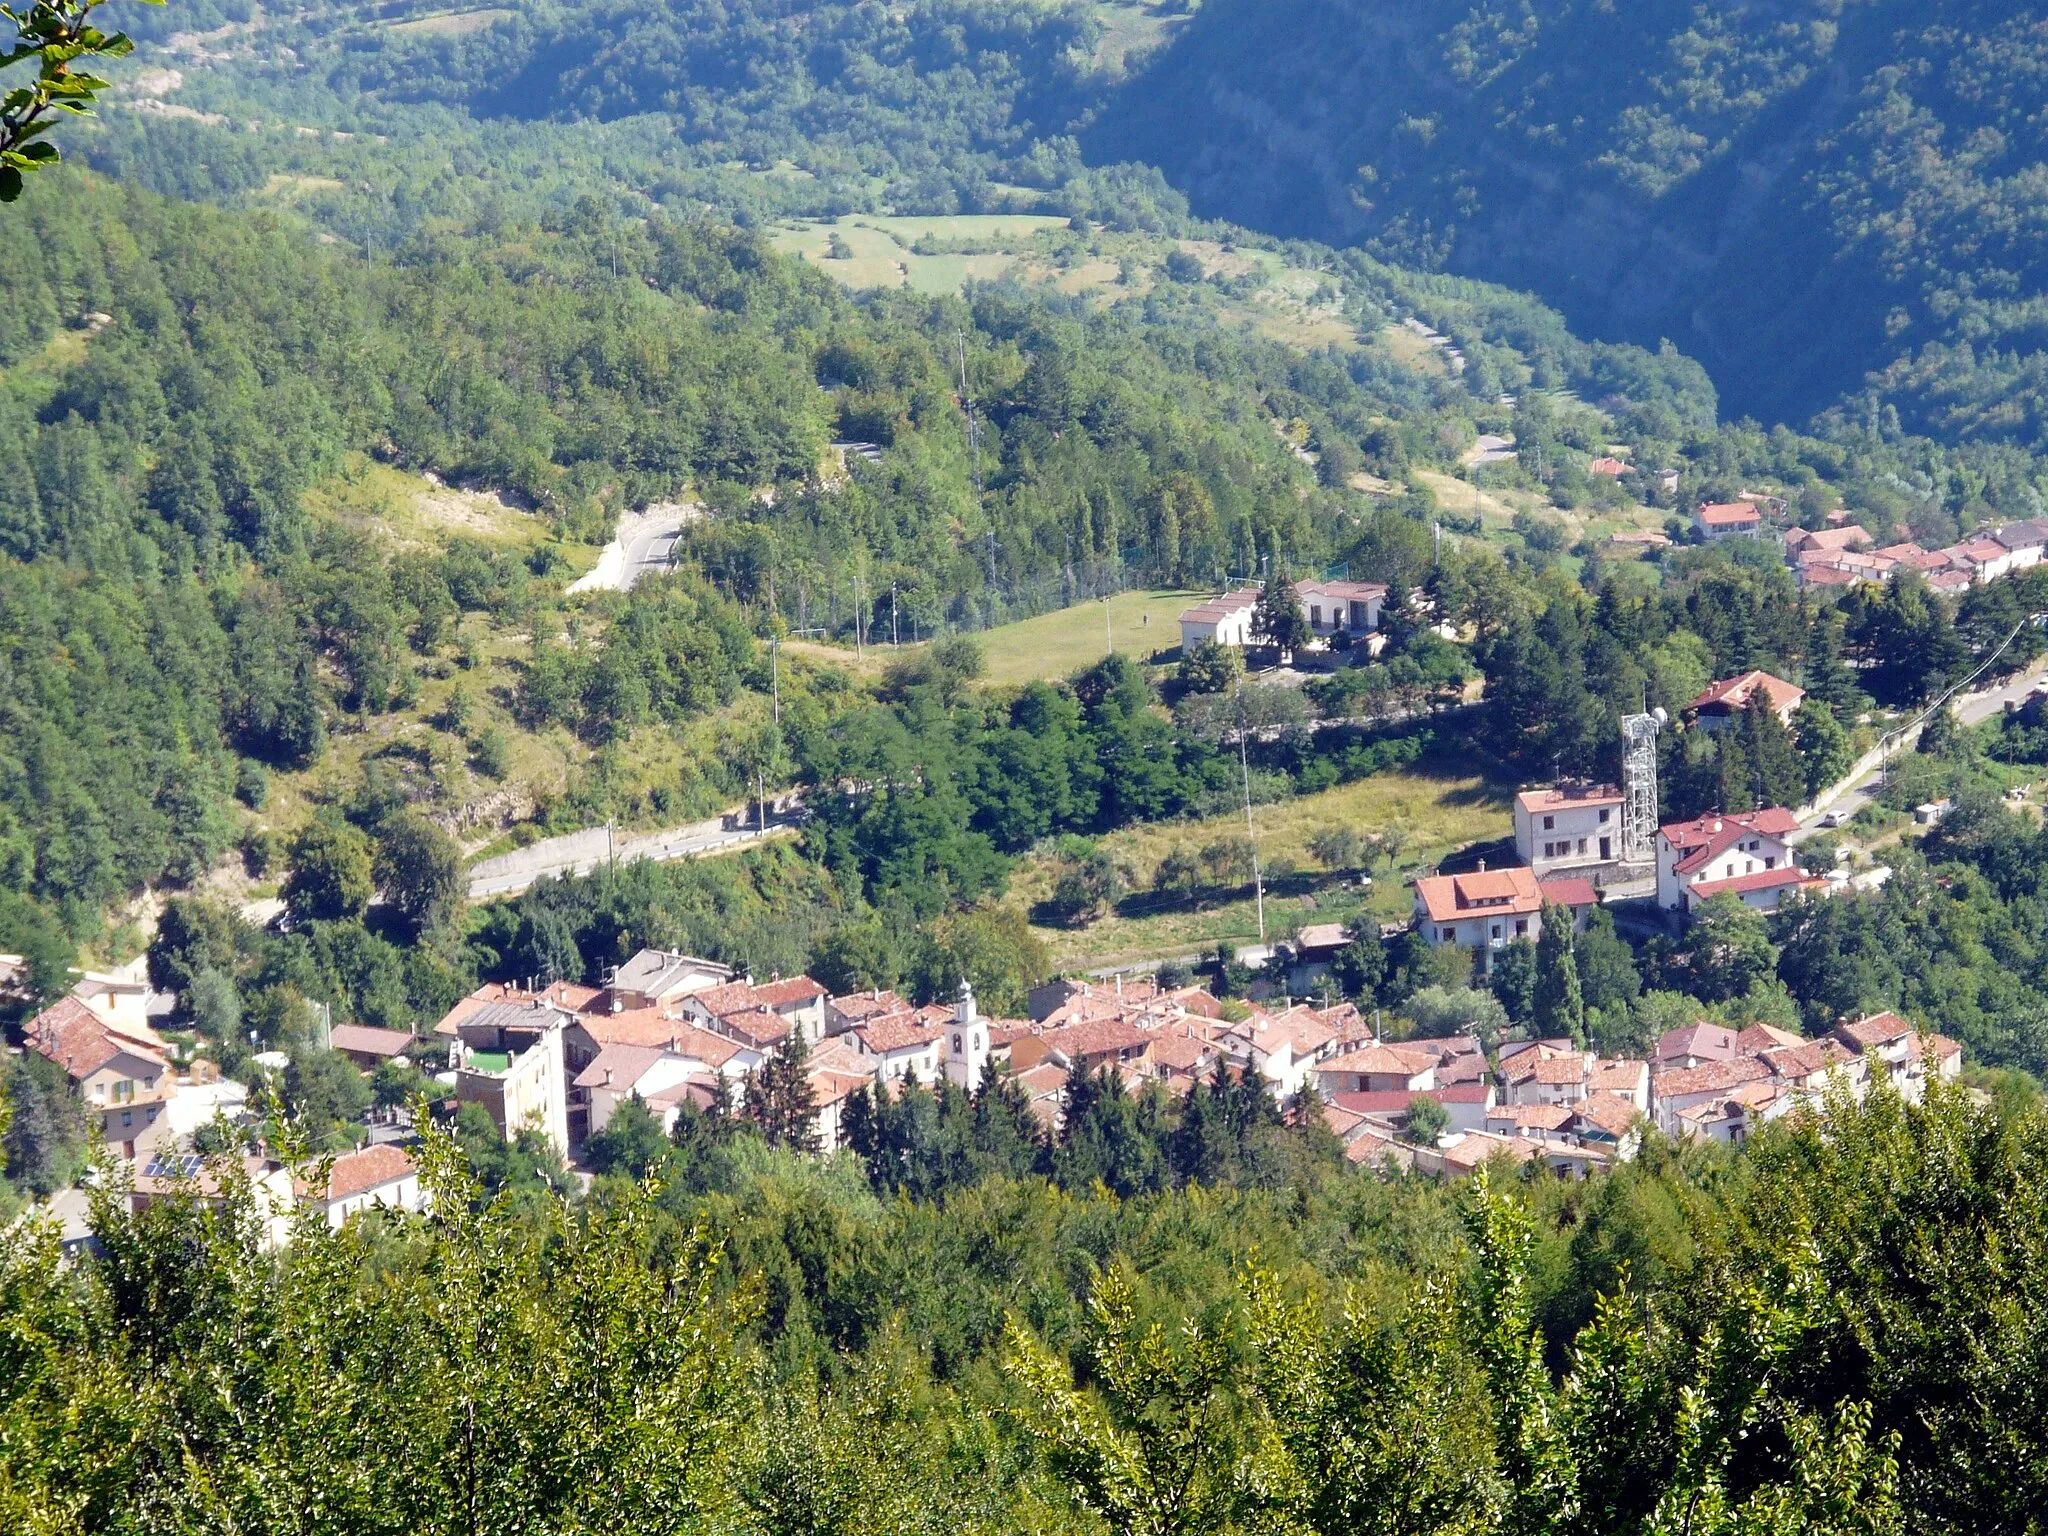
column 649, row 550
column 578, row 853
column 1969, row 708
column 644, row 542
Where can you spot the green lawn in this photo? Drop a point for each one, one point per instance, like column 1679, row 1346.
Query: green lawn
column 1144, row 625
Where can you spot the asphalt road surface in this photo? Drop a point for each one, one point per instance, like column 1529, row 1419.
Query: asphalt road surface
column 1970, row 709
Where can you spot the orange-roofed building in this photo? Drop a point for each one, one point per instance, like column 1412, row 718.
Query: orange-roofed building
column 1728, row 520
column 1721, row 704
column 1713, row 851
column 1485, row 910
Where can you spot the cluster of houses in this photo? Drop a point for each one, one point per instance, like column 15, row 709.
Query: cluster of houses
column 147, row 1108
column 671, row 1029
column 1846, row 555
column 1569, row 840
column 1843, row 554
column 1578, row 1112
column 674, row 1030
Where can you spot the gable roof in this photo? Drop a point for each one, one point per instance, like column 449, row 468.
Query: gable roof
column 903, row 1031
column 1728, row 514
column 1734, row 692
column 356, row 1173
column 620, row 1066
column 368, row 1041
column 1703, row 839
column 1482, row 893
column 1222, row 607
column 81, row 1042
column 1710, row 1077
column 1757, row 880
column 1874, row 1030
column 654, row 971
column 1569, row 891
column 1715, row 1042
column 1607, row 1113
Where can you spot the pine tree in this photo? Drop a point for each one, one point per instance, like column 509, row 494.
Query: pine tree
column 1731, row 777
column 1776, row 776
column 1006, row 1134
column 1560, row 1006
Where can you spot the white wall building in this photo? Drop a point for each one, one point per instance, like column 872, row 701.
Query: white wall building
column 1569, row 826
column 1743, row 855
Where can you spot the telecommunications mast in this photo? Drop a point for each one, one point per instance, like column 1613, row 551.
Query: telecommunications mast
column 1639, row 785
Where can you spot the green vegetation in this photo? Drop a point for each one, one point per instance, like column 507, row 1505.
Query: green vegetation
column 1798, row 202
column 1731, row 1343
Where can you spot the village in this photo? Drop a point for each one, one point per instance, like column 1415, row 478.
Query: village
column 681, row 1035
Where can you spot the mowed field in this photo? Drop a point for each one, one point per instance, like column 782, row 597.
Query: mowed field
column 1142, row 624
column 1435, row 812
column 881, row 257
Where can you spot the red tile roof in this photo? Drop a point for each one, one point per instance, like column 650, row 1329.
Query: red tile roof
column 1728, row 514
column 895, row 1032
column 1874, row 1030
column 1703, row 839
column 1573, row 891
column 1760, row 880
column 1483, row 893
column 1613, row 469
column 1608, row 1113
column 356, row 1173
column 371, row 1042
column 1710, row 1077
column 1709, row 1041
column 1734, row 692
column 789, row 992
column 81, row 1042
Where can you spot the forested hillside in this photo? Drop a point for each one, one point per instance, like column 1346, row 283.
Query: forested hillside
column 1795, row 194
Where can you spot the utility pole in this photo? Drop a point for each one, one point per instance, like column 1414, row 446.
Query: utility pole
column 895, row 632
column 775, row 672
column 1108, row 634
column 859, row 612
column 967, row 405
column 1244, row 766
column 991, row 578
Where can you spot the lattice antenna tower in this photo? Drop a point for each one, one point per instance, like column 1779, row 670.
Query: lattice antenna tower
column 1639, row 785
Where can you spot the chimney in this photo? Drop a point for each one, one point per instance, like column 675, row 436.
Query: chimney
column 1482, row 866
column 607, row 1077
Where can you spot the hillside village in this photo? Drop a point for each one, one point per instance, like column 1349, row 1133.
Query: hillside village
column 680, row 1036
column 683, row 1036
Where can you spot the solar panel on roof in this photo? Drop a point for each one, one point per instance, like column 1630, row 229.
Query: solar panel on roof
column 174, row 1165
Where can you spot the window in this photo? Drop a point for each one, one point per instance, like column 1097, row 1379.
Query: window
column 1315, row 615
column 1603, row 817
column 956, row 1045
column 1550, row 823
column 1582, row 845
column 1445, row 935
column 127, row 1117
column 1496, row 930
column 1606, row 847
column 1770, row 861
column 1521, row 927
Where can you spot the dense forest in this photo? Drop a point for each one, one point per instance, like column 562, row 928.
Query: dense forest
column 1796, row 195
column 1797, row 201
column 1831, row 1333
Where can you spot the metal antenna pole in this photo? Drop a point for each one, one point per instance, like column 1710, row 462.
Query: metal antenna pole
column 1251, row 836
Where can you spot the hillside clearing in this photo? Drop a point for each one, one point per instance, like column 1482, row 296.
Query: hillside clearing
column 1435, row 813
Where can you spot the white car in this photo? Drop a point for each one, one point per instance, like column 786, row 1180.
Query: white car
column 1834, row 819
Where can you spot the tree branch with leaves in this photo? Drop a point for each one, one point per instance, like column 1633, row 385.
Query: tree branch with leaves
column 55, row 35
